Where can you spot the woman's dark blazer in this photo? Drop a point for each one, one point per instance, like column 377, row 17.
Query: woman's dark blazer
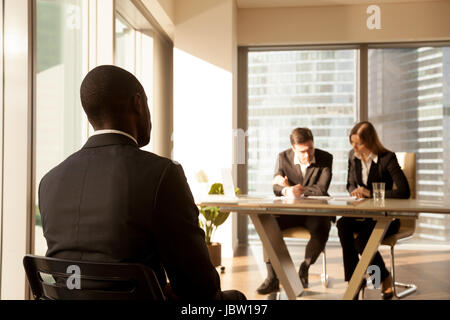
column 386, row 170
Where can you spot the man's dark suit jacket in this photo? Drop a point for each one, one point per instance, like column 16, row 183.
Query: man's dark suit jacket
column 113, row 202
column 386, row 170
column 318, row 175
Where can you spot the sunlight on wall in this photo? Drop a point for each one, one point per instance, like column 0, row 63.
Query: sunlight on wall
column 203, row 126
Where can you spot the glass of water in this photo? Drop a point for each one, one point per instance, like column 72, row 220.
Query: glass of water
column 378, row 190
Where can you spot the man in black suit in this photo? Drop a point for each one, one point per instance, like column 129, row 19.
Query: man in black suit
column 113, row 202
column 302, row 170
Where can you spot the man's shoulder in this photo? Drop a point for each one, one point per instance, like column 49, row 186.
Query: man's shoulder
column 62, row 165
column 286, row 153
column 140, row 157
column 150, row 156
column 351, row 153
column 159, row 163
column 322, row 155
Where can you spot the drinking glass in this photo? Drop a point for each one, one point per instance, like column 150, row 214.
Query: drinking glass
column 378, row 191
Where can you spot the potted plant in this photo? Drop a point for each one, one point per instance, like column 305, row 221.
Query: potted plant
column 211, row 218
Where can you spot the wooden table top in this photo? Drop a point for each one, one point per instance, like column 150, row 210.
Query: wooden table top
column 328, row 203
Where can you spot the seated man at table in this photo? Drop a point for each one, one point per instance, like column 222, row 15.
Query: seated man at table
column 301, row 170
column 112, row 202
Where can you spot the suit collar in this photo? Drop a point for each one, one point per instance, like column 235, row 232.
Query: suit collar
column 373, row 175
column 309, row 170
column 108, row 139
column 373, row 172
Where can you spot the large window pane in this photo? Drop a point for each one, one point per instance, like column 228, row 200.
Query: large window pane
column 125, row 45
column 134, row 53
column 301, row 88
column 144, row 71
column 60, row 125
column 409, row 103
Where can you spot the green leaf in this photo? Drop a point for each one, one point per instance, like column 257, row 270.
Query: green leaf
column 209, row 213
column 212, row 215
column 221, row 217
column 216, row 188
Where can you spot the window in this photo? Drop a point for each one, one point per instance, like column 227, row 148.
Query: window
column 125, row 45
column 134, row 53
column 409, row 94
column 408, row 102
column 299, row 88
column 60, row 125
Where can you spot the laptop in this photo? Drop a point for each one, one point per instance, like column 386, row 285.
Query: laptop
column 228, row 184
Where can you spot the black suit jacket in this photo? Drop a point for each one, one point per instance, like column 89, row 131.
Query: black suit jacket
column 318, row 175
column 386, row 170
column 113, row 202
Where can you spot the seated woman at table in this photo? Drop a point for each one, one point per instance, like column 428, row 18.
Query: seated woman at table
column 369, row 162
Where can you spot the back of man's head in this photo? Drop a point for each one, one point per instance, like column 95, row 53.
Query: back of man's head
column 106, row 94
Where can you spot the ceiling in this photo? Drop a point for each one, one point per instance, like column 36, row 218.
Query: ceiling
column 311, row 3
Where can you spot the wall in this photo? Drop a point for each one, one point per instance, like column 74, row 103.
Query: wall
column 415, row 21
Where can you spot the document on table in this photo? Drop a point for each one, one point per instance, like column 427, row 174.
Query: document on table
column 217, row 198
column 343, row 198
column 347, row 198
column 319, row 197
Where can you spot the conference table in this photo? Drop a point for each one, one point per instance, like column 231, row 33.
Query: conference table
column 262, row 212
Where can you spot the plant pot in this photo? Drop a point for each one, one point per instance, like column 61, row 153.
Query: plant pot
column 215, row 253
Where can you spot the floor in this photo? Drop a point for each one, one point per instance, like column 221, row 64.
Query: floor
column 427, row 269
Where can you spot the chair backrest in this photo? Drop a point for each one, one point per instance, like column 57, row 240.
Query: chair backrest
column 55, row 279
column 407, row 161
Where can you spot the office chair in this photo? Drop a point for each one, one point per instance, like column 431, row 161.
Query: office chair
column 407, row 162
column 54, row 279
column 303, row 233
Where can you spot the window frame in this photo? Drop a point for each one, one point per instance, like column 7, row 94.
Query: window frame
column 362, row 79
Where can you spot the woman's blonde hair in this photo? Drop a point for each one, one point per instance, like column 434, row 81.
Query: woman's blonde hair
column 368, row 136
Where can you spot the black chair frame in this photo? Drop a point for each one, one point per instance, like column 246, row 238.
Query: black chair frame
column 97, row 280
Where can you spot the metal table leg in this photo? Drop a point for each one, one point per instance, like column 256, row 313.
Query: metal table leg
column 367, row 256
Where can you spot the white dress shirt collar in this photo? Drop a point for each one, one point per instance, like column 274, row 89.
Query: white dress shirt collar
column 303, row 167
column 104, row 131
column 365, row 166
column 370, row 158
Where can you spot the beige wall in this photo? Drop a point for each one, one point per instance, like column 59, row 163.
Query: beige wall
column 204, row 30
column 416, row 21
